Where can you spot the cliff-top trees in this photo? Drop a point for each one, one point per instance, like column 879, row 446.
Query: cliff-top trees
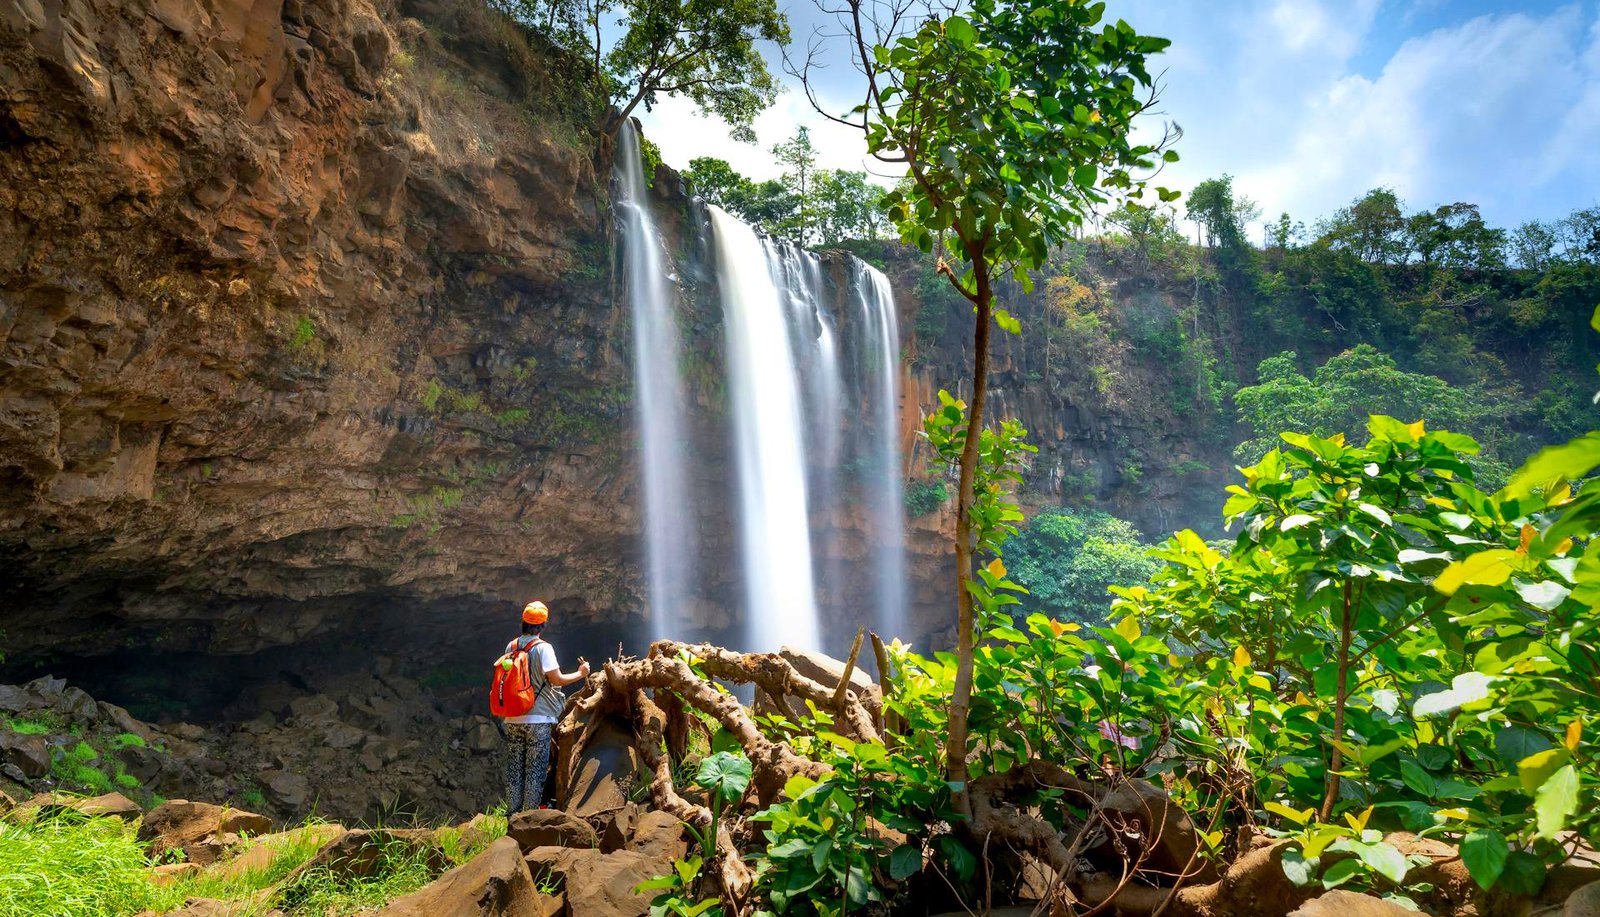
column 702, row 49
column 1013, row 121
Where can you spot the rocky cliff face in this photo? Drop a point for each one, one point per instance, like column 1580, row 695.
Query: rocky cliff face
column 304, row 326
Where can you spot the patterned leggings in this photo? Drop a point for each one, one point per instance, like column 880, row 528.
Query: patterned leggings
column 527, row 765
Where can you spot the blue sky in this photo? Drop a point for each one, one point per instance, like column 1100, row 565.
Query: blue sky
column 1309, row 103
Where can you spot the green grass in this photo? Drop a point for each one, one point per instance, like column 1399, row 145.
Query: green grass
column 67, row 866
column 128, row 740
column 34, row 726
column 291, row 850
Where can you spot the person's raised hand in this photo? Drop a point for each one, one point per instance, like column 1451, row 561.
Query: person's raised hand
column 583, row 667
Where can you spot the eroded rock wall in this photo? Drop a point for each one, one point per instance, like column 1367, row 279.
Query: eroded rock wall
column 304, row 327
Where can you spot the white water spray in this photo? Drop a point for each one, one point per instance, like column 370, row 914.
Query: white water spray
column 659, row 402
column 779, row 591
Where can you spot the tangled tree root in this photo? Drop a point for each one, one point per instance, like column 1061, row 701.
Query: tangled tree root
column 1135, row 853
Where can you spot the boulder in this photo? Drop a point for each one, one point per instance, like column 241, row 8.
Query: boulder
column 496, row 883
column 619, row 828
column 260, row 853
column 6, row 803
column 362, row 852
column 168, row 873
column 204, row 832
column 110, row 805
column 658, row 834
column 599, row 884
column 288, row 790
column 1340, row 903
column 1585, row 902
column 608, row 764
column 14, row 699
column 550, row 828
column 28, row 754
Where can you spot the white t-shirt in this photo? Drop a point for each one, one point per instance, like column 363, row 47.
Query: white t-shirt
column 541, row 659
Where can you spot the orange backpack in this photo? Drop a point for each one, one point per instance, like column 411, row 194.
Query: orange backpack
column 513, row 692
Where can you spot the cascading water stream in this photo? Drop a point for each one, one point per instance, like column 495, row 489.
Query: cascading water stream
column 885, row 492
column 767, row 421
column 669, row 551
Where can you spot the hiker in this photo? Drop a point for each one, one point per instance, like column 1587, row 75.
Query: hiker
column 527, row 695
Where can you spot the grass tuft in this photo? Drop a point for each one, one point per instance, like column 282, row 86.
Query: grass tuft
column 68, row 866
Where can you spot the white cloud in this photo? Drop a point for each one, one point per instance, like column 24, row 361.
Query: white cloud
column 1296, row 100
column 1494, row 111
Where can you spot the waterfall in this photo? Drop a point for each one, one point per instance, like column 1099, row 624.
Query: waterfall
column 780, row 598
column 885, row 490
column 809, row 363
column 659, row 403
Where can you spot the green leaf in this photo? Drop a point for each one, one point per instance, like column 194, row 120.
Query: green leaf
column 1484, row 852
column 1299, row 869
column 1466, row 688
column 905, row 862
column 1485, row 568
column 1384, row 860
column 960, row 31
column 725, row 774
column 1514, row 743
column 1537, row 768
column 1295, row 521
column 1556, row 801
column 1567, row 462
column 1524, row 874
column 1418, row 779
column 1546, row 595
column 1340, row 873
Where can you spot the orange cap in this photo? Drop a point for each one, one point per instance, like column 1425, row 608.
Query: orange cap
column 535, row 613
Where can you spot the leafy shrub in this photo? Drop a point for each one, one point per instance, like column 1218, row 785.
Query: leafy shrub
column 923, row 497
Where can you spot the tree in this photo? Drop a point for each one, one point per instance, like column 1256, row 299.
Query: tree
column 1455, row 235
column 702, row 49
column 801, row 158
column 1532, row 245
column 1220, row 215
column 1372, row 228
column 1068, row 559
column 846, row 205
column 1344, row 391
column 714, row 180
column 1013, row 121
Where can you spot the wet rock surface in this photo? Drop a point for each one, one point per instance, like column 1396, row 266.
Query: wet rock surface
column 412, row 760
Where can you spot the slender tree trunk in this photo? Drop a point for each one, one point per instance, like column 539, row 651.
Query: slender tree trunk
column 1341, row 694
column 966, row 638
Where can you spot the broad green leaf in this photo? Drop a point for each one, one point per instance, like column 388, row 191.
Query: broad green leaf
column 1300, row 870
column 1556, row 801
column 960, row 31
column 1384, row 860
column 1514, row 743
column 1485, row 568
column 1567, row 462
column 1418, row 779
column 1295, row 521
column 1484, row 852
column 1537, row 768
column 1466, row 688
column 1546, row 595
column 1524, row 874
column 905, row 862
